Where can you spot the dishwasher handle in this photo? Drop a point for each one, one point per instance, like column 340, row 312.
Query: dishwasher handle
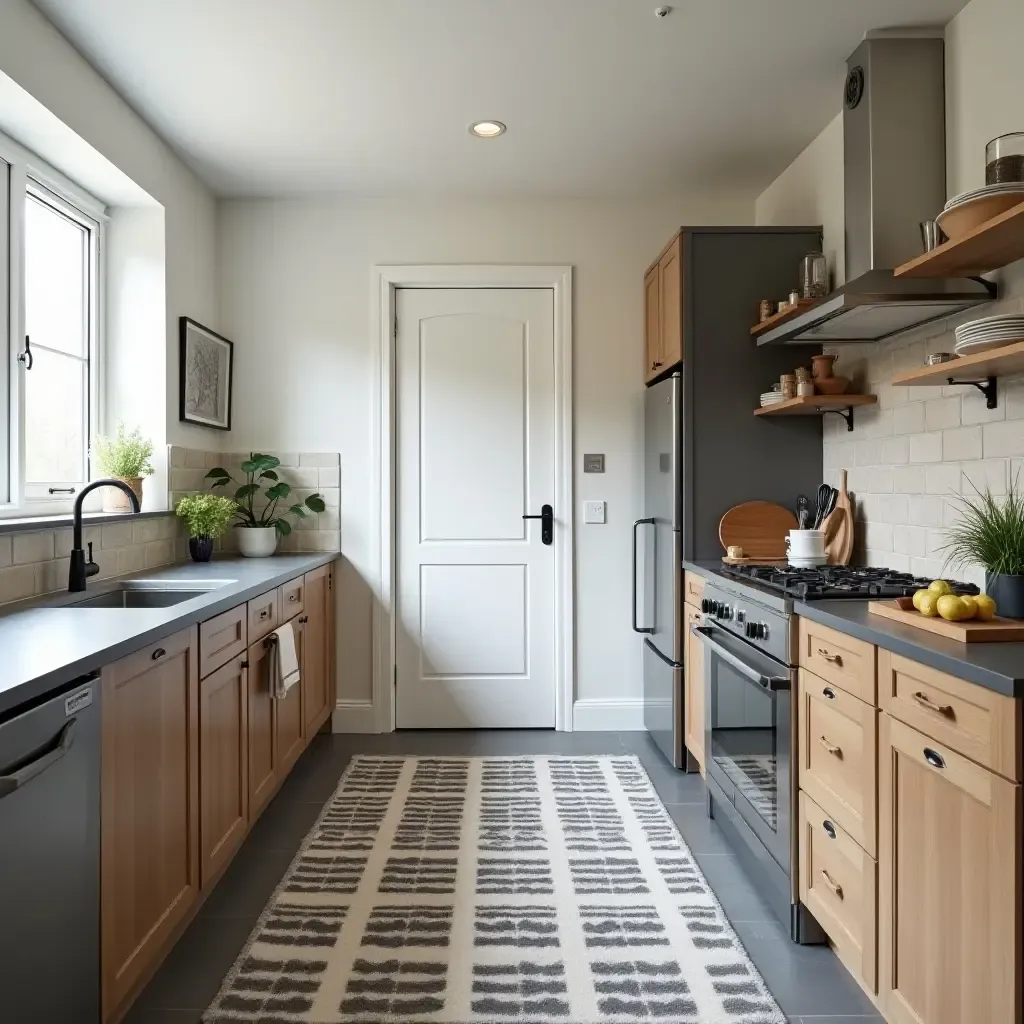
column 48, row 756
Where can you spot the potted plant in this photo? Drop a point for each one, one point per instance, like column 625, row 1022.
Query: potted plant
column 207, row 517
column 125, row 457
column 991, row 534
column 258, row 530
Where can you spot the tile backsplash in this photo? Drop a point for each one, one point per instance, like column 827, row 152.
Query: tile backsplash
column 908, row 456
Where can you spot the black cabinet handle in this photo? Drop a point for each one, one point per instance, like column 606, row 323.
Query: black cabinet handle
column 303, row 618
column 830, row 829
column 158, row 654
column 243, row 664
column 829, row 692
column 61, row 490
column 934, row 758
column 547, row 524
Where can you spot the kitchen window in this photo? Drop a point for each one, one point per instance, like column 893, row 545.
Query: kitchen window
column 49, row 298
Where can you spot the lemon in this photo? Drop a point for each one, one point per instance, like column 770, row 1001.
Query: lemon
column 927, row 604
column 940, row 587
column 952, row 608
column 919, row 596
column 986, row 607
column 970, row 605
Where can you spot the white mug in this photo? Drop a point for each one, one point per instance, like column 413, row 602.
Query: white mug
column 806, row 546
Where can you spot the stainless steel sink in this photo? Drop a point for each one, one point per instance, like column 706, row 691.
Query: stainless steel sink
column 145, row 593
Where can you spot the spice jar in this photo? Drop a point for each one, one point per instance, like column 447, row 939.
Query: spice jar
column 805, row 388
column 788, row 381
column 1004, row 159
column 766, row 309
column 814, row 276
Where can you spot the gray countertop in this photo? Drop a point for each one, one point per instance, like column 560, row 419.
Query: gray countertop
column 998, row 667
column 44, row 646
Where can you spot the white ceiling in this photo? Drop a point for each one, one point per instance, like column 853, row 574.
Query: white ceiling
column 373, row 97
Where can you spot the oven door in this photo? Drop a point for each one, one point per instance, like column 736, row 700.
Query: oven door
column 748, row 743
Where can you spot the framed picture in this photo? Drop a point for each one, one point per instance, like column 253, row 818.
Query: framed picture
column 206, row 363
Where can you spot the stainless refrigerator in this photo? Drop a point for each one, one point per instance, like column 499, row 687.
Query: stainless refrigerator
column 705, row 451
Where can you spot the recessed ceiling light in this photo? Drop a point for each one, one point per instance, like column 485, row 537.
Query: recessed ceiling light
column 487, row 129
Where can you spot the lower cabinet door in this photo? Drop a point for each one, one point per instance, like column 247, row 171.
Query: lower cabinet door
column 223, row 765
column 950, row 885
column 289, row 721
column 693, row 687
column 263, row 757
column 149, row 875
column 315, row 650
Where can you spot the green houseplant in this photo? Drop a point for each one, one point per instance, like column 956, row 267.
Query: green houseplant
column 207, row 517
column 990, row 533
column 260, row 515
column 127, row 457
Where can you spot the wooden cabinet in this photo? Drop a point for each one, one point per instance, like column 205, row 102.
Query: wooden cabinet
column 291, row 597
column 264, row 614
column 224, row 766
column 950, row 947
column 222, row 638
column 693, row 588
column 316, row 674
column 262, row 740
column 693, row 686
column 150, row 810
column 289, row 717
column 839, row 659
column 663, row 311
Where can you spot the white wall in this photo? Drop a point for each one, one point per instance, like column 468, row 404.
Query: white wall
column 35, row 56
column 296, row 298
column 920, row 447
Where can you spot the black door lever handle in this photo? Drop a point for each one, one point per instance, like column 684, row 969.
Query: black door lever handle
column 547, row 524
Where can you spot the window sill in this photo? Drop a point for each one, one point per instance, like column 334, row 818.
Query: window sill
column 28, row 524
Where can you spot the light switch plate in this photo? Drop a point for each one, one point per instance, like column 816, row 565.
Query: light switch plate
column 593, row 463
column 593, row 511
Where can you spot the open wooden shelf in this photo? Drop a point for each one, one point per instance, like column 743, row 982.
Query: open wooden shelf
column 994, row 244
column 818, row 405
column 780, row 318
column 998, row 362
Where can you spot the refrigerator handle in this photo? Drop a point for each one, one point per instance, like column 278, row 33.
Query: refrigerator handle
column 636, row 627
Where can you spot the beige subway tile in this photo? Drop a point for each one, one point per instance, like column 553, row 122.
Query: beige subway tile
column 6, row 554
column 330, row 476
column 17, row 583
column 329, row 520
column 331, row 496
column 1000, row 439
column 52, row 576
column 168, row 527
column 159, row 552
column 288, row 459
column 187, row 479
column 145, row 531
column 175, row 456
column 117, row 535
column 320, row 459
column 925, row 447
column 908, row 419
column 195, row 458
column 307, row 476
column 62, row 540
column 32, row 547
column 131, row 559
column 961, row 444
column 942, row 413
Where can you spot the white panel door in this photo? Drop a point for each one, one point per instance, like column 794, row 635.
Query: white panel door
column 475, row 428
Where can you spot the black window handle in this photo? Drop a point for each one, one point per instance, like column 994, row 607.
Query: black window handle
column 547, row 524
column 26, row 357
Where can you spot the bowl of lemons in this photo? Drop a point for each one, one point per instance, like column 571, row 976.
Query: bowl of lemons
column 939, row 600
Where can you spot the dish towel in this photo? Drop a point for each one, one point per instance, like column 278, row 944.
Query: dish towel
column 284, row 661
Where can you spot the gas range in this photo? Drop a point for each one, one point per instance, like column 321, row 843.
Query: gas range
column 836, row 581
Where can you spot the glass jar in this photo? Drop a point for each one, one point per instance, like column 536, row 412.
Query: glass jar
column 1004, row 159
column 814, row 276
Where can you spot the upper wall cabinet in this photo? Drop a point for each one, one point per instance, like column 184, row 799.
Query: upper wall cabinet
column 663, row 312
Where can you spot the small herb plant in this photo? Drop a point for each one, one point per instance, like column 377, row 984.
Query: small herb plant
column 261, row 470
column 206, row 515
column 124, row 455
column 990, row 532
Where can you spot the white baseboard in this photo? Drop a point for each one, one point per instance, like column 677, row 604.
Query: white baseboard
column 353, row 716
column 608, row 714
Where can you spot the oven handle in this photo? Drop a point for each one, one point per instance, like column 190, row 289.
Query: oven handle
column 704, row 634
column 664, row 657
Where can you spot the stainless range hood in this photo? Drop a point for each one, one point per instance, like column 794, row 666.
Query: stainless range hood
column 894, row 164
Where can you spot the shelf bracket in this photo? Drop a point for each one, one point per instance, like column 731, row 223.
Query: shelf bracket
column 988, row 389
column 846, row 413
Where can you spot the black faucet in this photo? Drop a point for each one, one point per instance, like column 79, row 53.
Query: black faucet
column 80, row 570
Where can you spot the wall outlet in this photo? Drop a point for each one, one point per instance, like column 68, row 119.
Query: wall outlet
column 593, row 511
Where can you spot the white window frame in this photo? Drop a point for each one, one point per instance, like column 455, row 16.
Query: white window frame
column 28, row 174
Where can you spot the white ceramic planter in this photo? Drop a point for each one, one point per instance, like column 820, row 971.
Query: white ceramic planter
column 257, row 542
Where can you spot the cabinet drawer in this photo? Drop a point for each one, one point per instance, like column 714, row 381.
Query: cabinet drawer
column 693, row 588
column 839, row 659
column 292, row 598
column 264, row 615
column 838, row 749
column 221, row 639
column 978, row 723
column 839, row 886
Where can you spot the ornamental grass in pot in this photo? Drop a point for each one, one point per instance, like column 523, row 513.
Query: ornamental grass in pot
column 260, row 516
column 990, row 533
column 207, row 517
column 127, row 457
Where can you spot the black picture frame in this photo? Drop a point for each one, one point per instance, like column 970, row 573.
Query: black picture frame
column 187, row 326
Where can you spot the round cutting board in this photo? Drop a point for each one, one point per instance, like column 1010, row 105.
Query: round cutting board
column 759, row 527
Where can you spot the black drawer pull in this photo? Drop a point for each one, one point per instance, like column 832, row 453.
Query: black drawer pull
column 264, row 613
column 158, row 654
column 829, row 692
column 934, row 758
column 830, row 829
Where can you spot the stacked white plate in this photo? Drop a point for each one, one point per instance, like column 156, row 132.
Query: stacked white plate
column 771, row 397
column 987, row 190
column 989, row 332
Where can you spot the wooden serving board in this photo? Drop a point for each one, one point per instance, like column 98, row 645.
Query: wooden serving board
column 754, row 561
column 969, row 631
column 759, row 527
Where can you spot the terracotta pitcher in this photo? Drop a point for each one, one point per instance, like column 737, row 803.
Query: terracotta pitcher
column 821, row 366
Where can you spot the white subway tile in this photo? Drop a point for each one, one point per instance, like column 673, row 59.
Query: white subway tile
column 990, row 474
column 839, row 454
column 930, row 568
column 320, row 459
column 897, row 508
column 926, row 510
column 974, row 408
column 925, row 447
column 879, row 536
column 911, row 541
column 32, row 547
column 908, row 419
column 330, row 496
column 1003, row 439
column 961, row 443
column 941, row 413
column 943, row 478
column 330, row 476
column 288, row 459
column 869, row 453
column 308, row 476
column 909, row 479
column 895, row 451
column 1012, row 398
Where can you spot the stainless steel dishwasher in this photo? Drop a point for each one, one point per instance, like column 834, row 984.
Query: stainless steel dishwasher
column 50, row 857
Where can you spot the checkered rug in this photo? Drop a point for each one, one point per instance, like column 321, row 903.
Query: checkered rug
column 527, row 890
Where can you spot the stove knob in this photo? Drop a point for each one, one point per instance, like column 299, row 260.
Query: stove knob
column 705, row 604
column 762, row 631
column 750, row 630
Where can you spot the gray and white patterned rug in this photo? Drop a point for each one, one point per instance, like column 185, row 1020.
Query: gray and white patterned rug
column 527, row 890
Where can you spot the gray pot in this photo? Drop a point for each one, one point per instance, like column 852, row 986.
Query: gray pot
column 1008, row 594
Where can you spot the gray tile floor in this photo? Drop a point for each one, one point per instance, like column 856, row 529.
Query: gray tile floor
column 810, row 984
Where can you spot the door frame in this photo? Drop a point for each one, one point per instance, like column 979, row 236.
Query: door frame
column 386, row 281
